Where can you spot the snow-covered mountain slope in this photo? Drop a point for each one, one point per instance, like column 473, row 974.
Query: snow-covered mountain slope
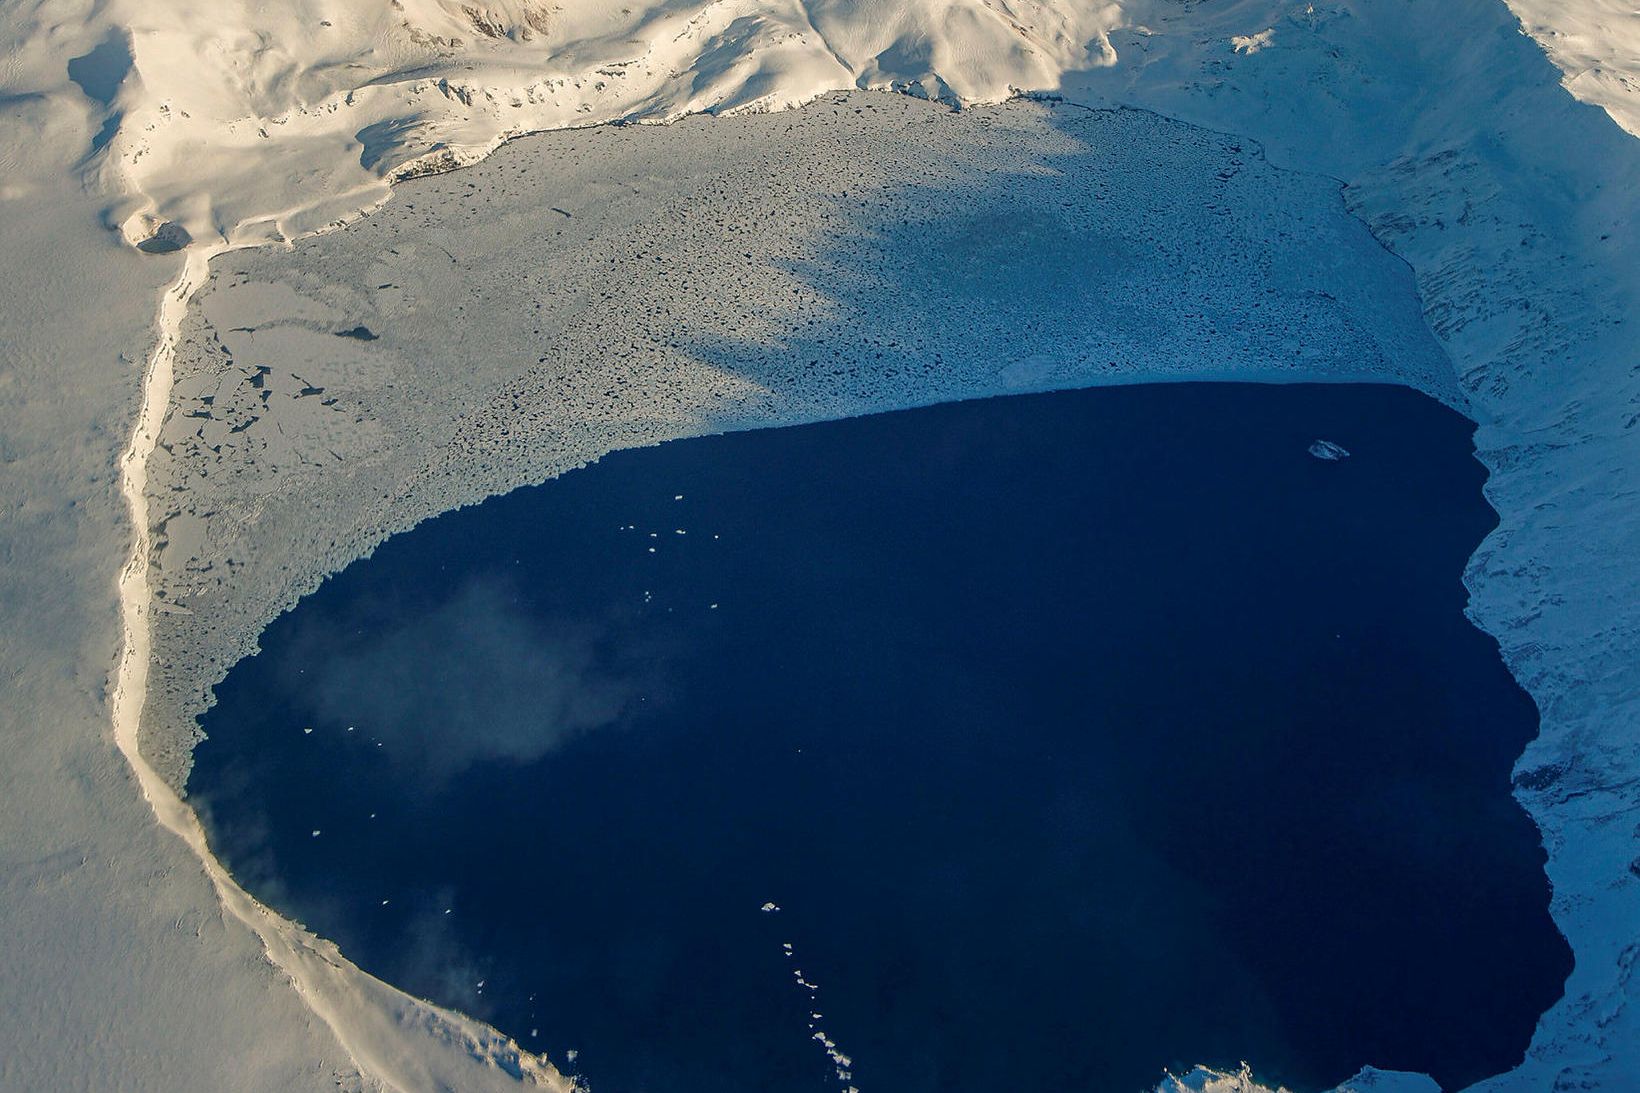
column 1596, row 43
column 240, row 120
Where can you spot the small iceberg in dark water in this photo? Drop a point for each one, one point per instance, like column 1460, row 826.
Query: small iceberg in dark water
column 1326, row 449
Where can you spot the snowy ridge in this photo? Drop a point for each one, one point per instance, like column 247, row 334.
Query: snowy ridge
column 1596, row 43
column 235, row 112
column 241, row 121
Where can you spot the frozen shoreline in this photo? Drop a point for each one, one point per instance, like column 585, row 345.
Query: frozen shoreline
column 1528, row 289
column 385, row 1033
column 238, row 319
column 405, row 503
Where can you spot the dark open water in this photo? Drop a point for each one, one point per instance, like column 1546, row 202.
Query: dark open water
column 1073, row 735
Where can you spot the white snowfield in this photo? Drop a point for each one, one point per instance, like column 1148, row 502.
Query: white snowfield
column 244, row 121
column 1596, row 43
column 130, row 961
column 248, row 121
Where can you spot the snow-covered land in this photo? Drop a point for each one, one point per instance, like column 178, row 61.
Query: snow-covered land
column 246, row 121
column 211, row 126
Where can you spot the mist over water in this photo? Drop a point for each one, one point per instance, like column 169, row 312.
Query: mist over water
column 1036, row 743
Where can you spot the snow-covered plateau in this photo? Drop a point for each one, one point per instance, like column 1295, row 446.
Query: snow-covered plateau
column 1437, row 194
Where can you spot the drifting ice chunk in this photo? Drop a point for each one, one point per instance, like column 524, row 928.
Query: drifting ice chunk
column 1326, row 449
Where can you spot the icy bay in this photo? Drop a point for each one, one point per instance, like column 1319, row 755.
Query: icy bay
column 1038, row 742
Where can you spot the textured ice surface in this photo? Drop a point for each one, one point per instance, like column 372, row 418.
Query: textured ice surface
column 863, row 253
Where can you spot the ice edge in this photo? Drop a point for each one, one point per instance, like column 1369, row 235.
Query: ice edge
column 372, row 1030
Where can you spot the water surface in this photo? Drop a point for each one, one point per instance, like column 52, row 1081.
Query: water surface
column 1034, row 743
